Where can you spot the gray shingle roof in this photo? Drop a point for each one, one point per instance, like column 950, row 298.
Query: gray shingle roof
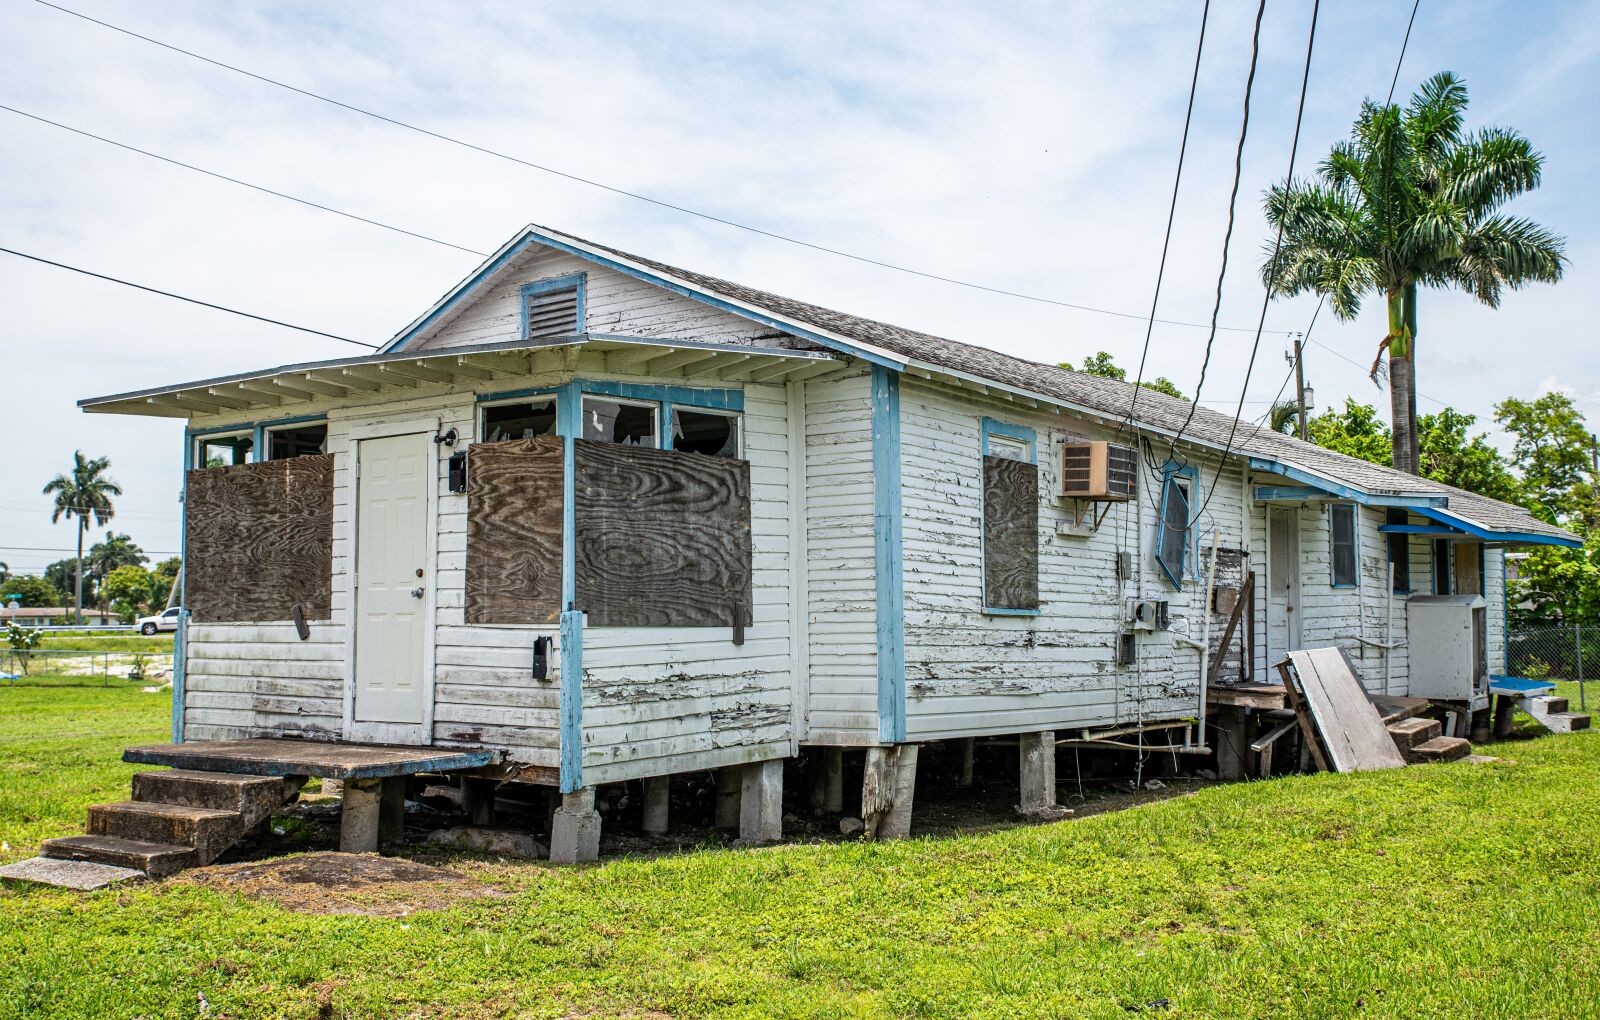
column 1112, row 398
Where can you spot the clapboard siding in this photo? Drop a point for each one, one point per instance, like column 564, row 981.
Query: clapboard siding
column 615, row 303
column 969, row 673
column 840, row 578
column 660, row 700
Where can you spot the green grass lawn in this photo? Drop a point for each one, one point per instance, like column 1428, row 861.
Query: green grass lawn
column 100, row 641
column 1441, row 891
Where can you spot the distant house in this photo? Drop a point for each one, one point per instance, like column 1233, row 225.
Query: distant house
column 620, row 520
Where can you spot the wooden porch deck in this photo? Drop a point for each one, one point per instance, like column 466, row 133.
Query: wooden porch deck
column 286, row 757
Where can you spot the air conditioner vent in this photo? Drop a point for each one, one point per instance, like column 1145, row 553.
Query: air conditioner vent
column 1098, row 471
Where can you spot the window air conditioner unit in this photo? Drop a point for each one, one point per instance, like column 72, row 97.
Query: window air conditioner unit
column 1098, row 471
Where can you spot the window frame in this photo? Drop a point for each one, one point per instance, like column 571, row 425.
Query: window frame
column 657, row 409
column 201, row 439
column 579, row 282
column 1186, row 478
column 669, row 418
column 520, row 398
column 1401, row 539
column 1444, row 575
column 992, row 433
column 265, row 430
column 1333, row 544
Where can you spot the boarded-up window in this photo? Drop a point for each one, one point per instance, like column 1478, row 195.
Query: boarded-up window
column 514, row 493
column 260, row 541
column 663, row 537
column 1010, row 534
column 1342, row 536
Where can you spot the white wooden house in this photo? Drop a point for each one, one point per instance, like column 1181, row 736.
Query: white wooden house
column 911, row 570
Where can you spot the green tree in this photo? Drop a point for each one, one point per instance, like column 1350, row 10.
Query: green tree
column 83, row 493
column 1354, row 430
column 60, row 575
column 1102, row 364
column 1284, row 417
column 163, row 576
column 33, row 592
column 1552, row 450
column 128, row 591
column 1452, row 456
column 1411, row 199
column 112, row 552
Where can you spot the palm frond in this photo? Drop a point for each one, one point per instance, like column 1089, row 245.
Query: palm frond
column 1490, row 169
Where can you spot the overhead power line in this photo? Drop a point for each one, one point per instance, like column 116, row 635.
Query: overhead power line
column 626, row 193
column 190, row 300
column 1403, row 44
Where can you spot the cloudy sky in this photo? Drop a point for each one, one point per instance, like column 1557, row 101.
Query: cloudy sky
column 1028, row 147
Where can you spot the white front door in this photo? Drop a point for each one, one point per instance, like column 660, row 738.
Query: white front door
column 391, row 581
column 1283, row 579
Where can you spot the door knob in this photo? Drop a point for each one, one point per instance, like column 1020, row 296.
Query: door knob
column 416, row 593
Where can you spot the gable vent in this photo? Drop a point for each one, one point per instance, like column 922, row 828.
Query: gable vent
column 553, row 313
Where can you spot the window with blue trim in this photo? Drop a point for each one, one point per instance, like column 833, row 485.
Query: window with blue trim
column 554, row 307
column 305, row 439
column 1400, row 552
column 1342, row 544
column 224, row 449
column 1173, row 524
column 1010, row 534
column 519, row 419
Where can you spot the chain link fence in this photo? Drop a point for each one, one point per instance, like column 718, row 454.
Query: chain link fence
column 1560, row 652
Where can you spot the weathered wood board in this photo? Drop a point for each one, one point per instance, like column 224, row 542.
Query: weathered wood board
column 514, row 496
column 663, row 537
column 259, row 541
column 1010, row 534
column 1351, row 727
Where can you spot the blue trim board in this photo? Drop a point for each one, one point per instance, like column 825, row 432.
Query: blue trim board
column 529, row 237
column 1499, row 536
column 538, row 391
column 888, row 555
column 577, row 281
column 1288, row 493
column 1341, row 490
column 569, row 423
column 716, row 399
column 1419, row 529
column 1020, row 433
column 987, row 611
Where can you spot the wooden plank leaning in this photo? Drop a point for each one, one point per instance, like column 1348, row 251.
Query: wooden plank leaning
column 1352, row 730
column 1308, row 726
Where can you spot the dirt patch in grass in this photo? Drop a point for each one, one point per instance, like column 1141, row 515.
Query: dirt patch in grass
column 335, row 883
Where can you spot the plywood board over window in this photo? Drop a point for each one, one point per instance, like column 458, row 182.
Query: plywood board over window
column 1010, row 534
column 260, row 541
column 514, row 499
column 663, row 537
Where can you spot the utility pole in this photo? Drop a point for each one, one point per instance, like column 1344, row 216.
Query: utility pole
column 1300, row 382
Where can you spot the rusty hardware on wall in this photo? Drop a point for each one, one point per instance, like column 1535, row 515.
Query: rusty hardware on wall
column 541, row 658
column 298, row 614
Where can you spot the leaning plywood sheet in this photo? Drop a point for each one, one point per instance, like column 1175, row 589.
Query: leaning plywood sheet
column 663, row 537
column 1351, row 727
column 514, row 495
column 259, row 541
column 1010, row 534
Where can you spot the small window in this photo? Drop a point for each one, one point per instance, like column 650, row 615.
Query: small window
column 715, row 435
column 297, row 441
column 1441, row 566
column 1342, row 538
column 1172, row 539
column 619, row 421
column 522, row 420
column 553, row 307
column 1009, row 449
column 1400, row 551
column 224, row 451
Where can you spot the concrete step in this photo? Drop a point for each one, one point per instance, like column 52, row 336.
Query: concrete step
column 153, row 859
column 1552, row 714
column 64, row 874
column 206, row 830
column 1408, row 733
column 253, row 797
column 1439, row 749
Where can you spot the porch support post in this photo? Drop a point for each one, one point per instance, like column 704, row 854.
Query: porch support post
column 761, row 802
column 1037, row 754
column 888, row 788
column 1230, row 742
column 477, row 799
column 358, row 819
column 657, row 797
column 969, row 747
column 575, row 829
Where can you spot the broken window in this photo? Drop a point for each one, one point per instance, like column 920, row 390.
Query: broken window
column 224, row 450
column 1172, row 538
column 627, row 423
column 707, row 432
column 520, row 420
column 1441, row 566
column 1342, row 541
column 1400, row 552
column 297, row 441
column 553, row 307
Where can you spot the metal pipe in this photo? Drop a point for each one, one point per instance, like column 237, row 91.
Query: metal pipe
column 1205, row 636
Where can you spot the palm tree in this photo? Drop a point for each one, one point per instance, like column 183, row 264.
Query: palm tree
column 1411, row 198
column 1284, row 417
column 84, row 493
column 113, row 552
